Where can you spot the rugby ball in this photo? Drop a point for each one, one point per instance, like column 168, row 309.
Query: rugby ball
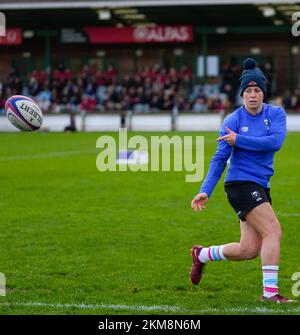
column 23, row 113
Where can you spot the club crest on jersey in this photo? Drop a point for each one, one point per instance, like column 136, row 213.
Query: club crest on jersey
column 267, row 123
column 245, row 129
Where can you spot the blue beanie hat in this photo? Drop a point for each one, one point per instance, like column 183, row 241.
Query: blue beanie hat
column 252, row 76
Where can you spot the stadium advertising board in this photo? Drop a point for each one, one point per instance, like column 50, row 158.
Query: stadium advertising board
column 158, row 34
column 13, row 37
column 71, row 35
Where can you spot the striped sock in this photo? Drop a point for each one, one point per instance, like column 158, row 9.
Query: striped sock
column 270, row 280
column 213, row 253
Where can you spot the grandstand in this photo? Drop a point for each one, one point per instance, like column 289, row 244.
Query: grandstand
column 137, row 57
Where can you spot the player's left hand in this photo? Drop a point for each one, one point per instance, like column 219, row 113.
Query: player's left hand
column 199, row 201
column 230, row 137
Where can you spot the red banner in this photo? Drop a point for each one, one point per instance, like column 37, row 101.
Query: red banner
column 13, row 37
column 157, row 34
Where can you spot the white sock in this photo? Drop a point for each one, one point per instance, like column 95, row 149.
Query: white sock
column 213, row 253
column 270, row 280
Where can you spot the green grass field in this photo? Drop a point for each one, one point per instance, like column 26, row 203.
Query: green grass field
column 77, row 241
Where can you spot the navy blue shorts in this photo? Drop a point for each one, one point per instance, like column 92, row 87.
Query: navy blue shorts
column 243, row 196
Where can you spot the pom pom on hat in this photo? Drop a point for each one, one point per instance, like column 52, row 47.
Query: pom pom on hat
column 252, row 76
column 249, row 64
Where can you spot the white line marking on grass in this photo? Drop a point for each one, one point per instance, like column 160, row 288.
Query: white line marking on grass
column 55, row 154
column 47, row 155
column 289, row 214
column 166, row 308
column 99, row 306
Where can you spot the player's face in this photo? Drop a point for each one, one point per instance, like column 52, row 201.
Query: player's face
column 253, row 97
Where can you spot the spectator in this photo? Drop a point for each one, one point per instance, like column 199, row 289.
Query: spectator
column 287, row 100
column 211, row 88
column 88, row 103
column 296, row 103
column 200, row 103
column 268, row 71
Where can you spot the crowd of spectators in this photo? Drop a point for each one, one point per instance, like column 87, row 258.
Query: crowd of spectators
column 150, row 89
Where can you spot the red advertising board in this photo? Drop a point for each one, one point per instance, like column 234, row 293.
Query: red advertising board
column 13, row 37
column 157, row 34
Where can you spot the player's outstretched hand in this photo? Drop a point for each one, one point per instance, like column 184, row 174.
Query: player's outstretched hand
column 199, row 201
column 230, row 137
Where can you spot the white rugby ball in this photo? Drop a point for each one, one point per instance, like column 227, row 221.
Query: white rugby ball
column 23, row 113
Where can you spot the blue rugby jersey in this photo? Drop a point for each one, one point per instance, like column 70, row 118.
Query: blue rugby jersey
column 251, row 158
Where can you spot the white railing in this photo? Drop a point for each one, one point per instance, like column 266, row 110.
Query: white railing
column 138, row 122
